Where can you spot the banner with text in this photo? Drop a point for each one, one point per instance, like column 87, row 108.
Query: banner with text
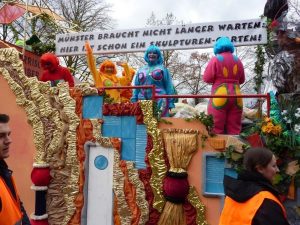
column 189, row 36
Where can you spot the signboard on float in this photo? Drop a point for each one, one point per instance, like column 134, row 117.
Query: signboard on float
column 173, row 37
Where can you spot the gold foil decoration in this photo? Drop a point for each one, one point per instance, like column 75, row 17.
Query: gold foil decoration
column 156, row 155
column 63, row 160
column 177, row 170
column 194, row 199
column 123, row 209
column 71, row 162
column 180, row 146
column 51, row 112
column 97, row 128
column 173, row 214
column 141, row 195
column 86, row 89
column 11, row 57
column 118, row 177
column 44, row 111
column 54, row 129
column 97, row 133
column 44, row 88
column 118, row 186
column 63, row 187
column 57, row 207
column 55, row 144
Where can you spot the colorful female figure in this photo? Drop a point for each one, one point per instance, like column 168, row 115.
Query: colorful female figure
column 154, row 73
column 225, row 72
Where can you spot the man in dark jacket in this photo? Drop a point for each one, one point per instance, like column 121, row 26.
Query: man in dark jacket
column 12, row 211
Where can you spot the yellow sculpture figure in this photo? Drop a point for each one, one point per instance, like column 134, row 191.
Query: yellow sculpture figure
column 125, row 80
column 107, row 76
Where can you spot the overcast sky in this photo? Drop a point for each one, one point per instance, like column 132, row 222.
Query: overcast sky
column 134, row 13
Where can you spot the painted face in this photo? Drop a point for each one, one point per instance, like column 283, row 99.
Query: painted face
column 48, row 66
column 109, row 69
column 5, row 140
column 270, row 170
column 152, row 56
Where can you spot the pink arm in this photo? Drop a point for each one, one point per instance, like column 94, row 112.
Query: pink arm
column 210, row 72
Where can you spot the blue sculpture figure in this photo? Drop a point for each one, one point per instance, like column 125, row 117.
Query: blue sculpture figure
column 154, row 73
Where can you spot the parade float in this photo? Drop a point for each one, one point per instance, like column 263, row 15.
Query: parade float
column 95, row 162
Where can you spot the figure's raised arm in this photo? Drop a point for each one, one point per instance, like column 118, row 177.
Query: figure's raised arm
column 91, row 61
column 128, row 72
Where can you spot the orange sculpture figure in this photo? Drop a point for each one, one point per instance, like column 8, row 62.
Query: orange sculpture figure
column 107, row 76
column 126, row 79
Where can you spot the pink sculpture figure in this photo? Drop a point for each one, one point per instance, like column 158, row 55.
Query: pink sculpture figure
column 225, row 72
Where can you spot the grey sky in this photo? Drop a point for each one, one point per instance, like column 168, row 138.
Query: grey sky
column 134, row 13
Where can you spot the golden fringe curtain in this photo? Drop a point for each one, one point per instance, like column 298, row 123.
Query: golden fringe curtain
column 180, row 146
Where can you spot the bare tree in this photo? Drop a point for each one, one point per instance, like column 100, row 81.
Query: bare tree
column 187, row 67
column 80, row 15
column 85, row 15
column 294, row 11
column 171, row 57
column 190, row 79
column 248, row 57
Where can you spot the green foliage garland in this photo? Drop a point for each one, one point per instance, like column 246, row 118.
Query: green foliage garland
column 259, row 68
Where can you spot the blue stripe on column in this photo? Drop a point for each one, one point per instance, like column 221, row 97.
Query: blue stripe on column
column 141, row 144
column 128, row 149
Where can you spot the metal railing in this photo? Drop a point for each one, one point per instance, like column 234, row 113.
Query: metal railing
column 156, row 96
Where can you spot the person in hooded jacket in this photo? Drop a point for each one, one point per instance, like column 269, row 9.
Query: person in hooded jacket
column 251, row 199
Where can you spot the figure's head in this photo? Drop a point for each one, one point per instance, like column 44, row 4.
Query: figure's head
column 153, row 55
column 108, row 67
column 261, row 160
column 49, row 62
column 223, row 44
column 5, row 139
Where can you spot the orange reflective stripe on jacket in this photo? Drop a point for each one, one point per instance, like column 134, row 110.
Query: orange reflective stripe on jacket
column 10, row 213
column 236, row 213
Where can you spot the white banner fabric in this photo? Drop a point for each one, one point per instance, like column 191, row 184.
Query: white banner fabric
column 174, row 37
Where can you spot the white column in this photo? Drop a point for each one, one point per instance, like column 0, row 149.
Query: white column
column 100, row 186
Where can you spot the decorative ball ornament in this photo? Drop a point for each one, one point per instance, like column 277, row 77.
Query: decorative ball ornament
column 39, row 222
column 41, row 176
column 175, row 189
